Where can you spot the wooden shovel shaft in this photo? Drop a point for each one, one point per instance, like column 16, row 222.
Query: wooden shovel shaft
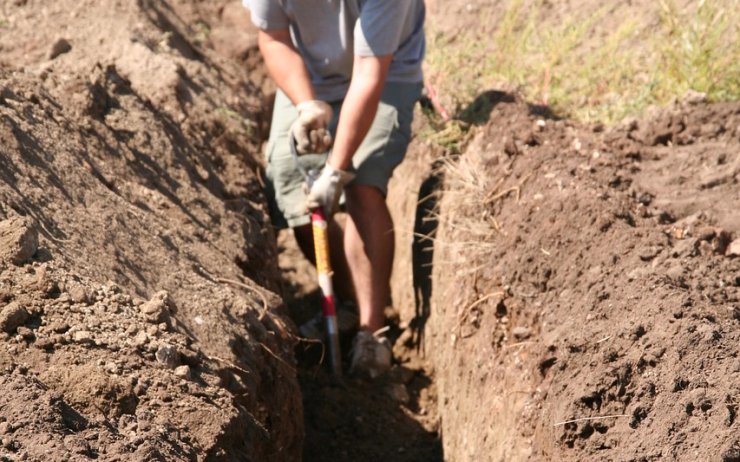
column 328, row 306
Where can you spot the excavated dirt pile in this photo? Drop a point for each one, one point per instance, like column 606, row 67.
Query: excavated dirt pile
column 586, row 290
column 138, row 319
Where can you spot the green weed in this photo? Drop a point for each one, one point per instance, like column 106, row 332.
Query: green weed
column 235, row 122
column 202, row 32
column 701, row 51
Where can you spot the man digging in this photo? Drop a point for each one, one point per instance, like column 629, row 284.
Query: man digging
column 348, row 74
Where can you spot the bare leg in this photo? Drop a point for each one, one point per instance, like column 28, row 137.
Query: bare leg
column 369, row 246
column 341, row 278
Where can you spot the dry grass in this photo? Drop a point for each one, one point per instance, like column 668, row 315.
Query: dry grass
column 474, row 194
column 581, row 71
column 700, row 51
column 586, row 72
column 578, row 67
column 470, row 231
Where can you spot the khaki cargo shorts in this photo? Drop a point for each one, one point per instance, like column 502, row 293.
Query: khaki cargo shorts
column 381, row 151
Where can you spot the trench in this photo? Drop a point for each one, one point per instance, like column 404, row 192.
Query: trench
column 393, row 417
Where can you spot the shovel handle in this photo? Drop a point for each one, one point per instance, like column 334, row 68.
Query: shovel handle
column 323, row 267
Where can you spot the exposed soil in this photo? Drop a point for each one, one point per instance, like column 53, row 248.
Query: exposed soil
column 391, row 418
column 598, row 319
column 143, row 321
column 560, row 291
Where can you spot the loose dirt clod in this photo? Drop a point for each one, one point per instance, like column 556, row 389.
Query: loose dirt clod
column 60, row 47
column 18, row 240
column 397, row 392
column 12, row 316
column 158, row 309
column 521, row 332
column 183, row 372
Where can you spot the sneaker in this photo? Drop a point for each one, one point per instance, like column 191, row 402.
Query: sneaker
column 371, row 353
column 347, row 320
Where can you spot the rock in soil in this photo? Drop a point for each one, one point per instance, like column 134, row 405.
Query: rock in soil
column 733, row 250
column 19, row 240
column 12, row 316
column 158, row 308
column 168, row 356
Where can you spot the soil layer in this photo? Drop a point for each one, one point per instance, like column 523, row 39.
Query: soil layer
column 586, row 288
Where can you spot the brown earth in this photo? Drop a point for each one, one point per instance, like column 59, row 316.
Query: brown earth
column 391, row 418
column 586, row 288
column 561, row 292
column 578, row 273
column 128, row 145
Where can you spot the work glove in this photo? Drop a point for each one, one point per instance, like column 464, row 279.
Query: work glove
column 327, row 189
column 310, row 129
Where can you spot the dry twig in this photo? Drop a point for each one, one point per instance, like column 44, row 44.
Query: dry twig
column 466, row 311
column 281, row 360
column 265, row 305
column 505, row 192
column 584, row 419
column 228, row 363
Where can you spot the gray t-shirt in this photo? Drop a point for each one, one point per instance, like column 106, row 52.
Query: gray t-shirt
column 328, row 33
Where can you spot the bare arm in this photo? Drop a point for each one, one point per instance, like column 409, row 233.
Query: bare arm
column 359, row 107
column 285, row 65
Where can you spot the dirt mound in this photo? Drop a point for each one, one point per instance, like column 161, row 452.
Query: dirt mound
column 106, row 377
column 586, row 288
column 144, row 322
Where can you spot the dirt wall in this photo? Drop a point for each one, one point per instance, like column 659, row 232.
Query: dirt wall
column 143, row 325
column 585, row 288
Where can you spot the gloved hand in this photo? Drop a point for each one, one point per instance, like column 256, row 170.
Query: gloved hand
column 310, row 129
column 327, row 189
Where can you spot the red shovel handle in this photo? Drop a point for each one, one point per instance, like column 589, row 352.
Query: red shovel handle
column 323, row 267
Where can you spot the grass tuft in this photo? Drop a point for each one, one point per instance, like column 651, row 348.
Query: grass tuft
column 236, row 123
column 700, row 52
column 472, row 229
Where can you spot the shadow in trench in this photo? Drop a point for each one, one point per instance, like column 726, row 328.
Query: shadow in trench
column 387, row 419
column 422, row 251
column 361, row 421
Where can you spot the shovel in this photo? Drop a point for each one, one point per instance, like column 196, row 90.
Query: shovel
column 320, row 227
